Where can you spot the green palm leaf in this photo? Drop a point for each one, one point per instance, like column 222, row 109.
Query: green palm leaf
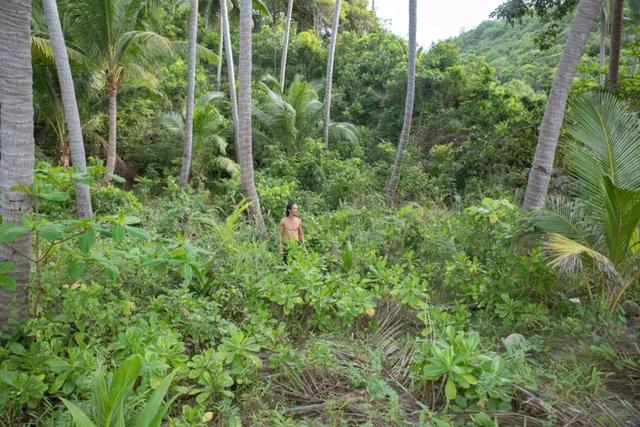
column 608, row 135
column 622, row 214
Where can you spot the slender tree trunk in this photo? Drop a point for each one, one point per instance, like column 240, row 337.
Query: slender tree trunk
column 72, row 117
column 542, row 167
column 373, row 5
column 617, row 11
column 112, row 91
column 64, row 152
column 634, row 65
column 231, row 76
column 220, row 46
column 408, row 105
column 329, row 79
column 285, row 45
column 17, row 150
column 191, row 87
column 603, row 46
column 244, row 114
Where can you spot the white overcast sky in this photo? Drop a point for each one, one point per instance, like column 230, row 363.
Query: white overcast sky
column 437, row 19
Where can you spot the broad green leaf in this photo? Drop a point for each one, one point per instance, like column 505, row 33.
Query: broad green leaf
column 187, row 274
column 123, row 380
column 450, row 389
column 6, row 267
column 622, row 214
column 10, row 232
column 52, row 231
column 87, row 240
column 482, row 419
column 76, row 268
column 117, row 178
column 131, row 220
column 55, row 196
column 433, row 371
column 136, row 232
column 117, row 233
column 470, row 379
column 151, row 415
column 79, row 417
column 8, row 283
column 58, row 365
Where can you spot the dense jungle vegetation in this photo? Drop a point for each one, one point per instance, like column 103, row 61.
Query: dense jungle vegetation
column 442, row 281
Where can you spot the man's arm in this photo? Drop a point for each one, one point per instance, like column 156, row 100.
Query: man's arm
column 281, row 234
column 301, row 235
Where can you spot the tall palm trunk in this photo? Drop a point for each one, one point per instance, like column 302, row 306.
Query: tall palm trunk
column 72, row 117
column 220, row 46
column 542, row 167
column 329, row 79
column 191, row 87
column 617, row 11
column 112, row 91
column 231, row 76
column 285, row 45
column 16, row 144
column 408, row 105
column 244, row 115
column 603, row 46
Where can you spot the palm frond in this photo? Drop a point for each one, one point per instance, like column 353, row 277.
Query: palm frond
column 41, row 49
column 144, row 48
column 608, row 135
column 622, row 215
column 272, row 83
column 179, row 47
column 342, row 131
column 567, row 255
column 210, row 98
column 227, row 165
column 174, row 123
column 570, row 219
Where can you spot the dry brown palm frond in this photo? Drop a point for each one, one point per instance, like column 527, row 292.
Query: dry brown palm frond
column 602, row 413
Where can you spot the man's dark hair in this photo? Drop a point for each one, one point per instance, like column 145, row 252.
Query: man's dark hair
column 289, row 206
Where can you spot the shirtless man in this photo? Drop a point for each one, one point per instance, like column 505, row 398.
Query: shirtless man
column 290, row 229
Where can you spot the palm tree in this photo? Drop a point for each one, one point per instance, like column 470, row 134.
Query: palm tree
column 604, row 23
column 289, row 118
column 617, row 15
column 16, row 144
column 209, row 143
column 599, row 225
column 408, row 105
column 329, row 78
column 634, row 22
column 71, row 114
column 111, row 34
column 191, row 87
column 220, row 47
column 231, row 74
column 285, row 44
column 540, row 173
column 244, row 115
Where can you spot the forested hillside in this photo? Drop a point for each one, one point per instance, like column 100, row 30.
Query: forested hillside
column 514, row 51
column 280, row 213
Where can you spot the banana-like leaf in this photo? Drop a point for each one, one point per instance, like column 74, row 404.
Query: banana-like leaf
column 153, row 412
column 622, row 215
